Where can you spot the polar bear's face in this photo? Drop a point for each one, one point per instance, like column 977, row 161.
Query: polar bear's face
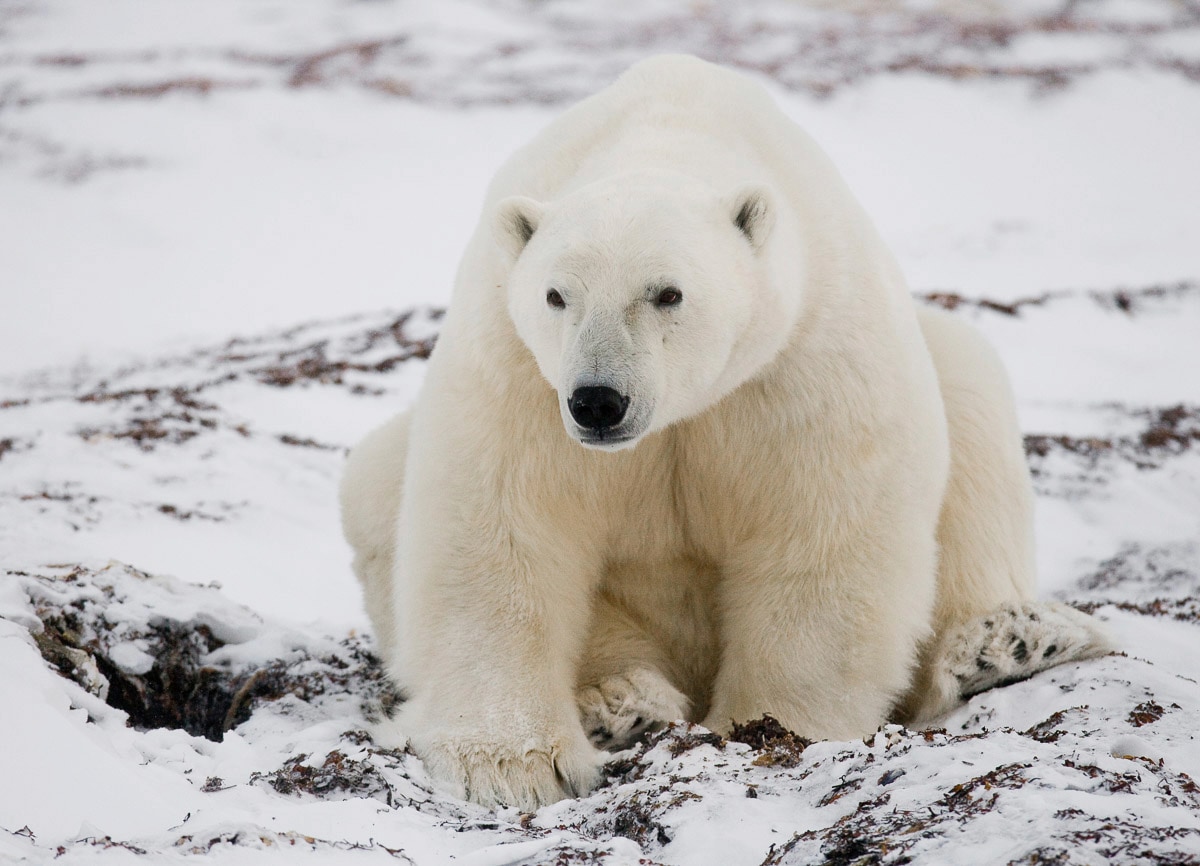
column 643, row 301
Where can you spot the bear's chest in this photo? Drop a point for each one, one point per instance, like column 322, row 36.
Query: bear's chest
column 698, row 490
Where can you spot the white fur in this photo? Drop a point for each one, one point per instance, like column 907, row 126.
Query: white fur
column 763, row 535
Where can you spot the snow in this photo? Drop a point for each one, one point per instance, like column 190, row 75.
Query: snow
column 226, row 229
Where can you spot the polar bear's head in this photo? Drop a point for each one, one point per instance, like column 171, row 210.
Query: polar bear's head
column 644, row 299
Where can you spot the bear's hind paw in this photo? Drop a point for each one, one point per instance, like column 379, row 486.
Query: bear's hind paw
column 621, row 709
column 1019, row 640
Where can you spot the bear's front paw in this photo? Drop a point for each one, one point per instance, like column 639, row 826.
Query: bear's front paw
column 492, row 771
column 619, row 709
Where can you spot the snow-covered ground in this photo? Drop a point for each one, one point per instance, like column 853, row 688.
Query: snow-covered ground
column 226, row 230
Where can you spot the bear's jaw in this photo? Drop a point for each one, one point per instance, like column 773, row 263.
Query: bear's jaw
column 605, row 441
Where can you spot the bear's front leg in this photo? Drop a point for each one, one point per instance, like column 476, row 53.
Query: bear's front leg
column 826, row 647
column 490, row 632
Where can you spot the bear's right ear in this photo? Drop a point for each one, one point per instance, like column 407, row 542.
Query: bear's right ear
column 516, row 220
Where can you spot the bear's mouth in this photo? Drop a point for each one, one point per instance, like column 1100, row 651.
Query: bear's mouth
column 616, row 438
column 606, row 440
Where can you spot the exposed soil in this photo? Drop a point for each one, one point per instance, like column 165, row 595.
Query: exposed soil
column 1147, row 713
column 182, row 688
column 778, row 746
column 953, row 300
column 336, row 775
column 1155, row 572
column 1169, row 432
column 1179, row 609
column 1132, row 301
column 877, row 832
column 151, row 418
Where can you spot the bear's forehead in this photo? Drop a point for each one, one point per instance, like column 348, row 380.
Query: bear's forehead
column 628, row 228
column 632, row 202
column 597, row 261
column 635, row 196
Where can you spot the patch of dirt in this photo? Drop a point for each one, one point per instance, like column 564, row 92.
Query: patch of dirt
column 185, row 515
column 150, row 417
column 639, row 816
column 1169, row 432
column 192, row 85
column 106, row 843
column 179, row 395
column 566, row 855
column 303, row 442
column 1179, row 609
column 146, row 433
column 1043, row 857
column 778, row 747
column 953, row 300
column 178, row 691
column 338, row 775
column 156, row 416
column 278, row 843
column 690, row 738
column 1131, row 301
column 637, row 820
column 339, row 62
column 880, row 834
column 1135, row 301
column 1121, row 841
column 1146, row 573
column 1049, row 730
column 1176, row 428
column 624, row 770
column 1112, row 782
column 1147, row 713
column 875, row 833
column 312, row 363
column 180, row 687
column 77, row 504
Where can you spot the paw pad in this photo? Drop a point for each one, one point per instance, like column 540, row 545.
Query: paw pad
column 620, row 710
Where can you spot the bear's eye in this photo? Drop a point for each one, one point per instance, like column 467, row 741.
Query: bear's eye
column 554, row 299
column 669, row 297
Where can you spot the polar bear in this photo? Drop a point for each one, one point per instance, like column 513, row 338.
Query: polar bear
column 686, row 449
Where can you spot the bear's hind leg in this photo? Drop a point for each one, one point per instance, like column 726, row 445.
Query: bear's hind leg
column 370, row 493
column 987, row 629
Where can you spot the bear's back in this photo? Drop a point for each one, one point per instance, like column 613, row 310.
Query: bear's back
column 674, row 112
column 681, row 114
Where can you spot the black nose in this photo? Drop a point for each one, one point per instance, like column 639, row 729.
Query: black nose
column 597, row 407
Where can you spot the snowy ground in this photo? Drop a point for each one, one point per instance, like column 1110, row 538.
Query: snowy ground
column 226, row 230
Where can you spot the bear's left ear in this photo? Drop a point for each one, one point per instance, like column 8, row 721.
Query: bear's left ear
column 753, row 212
column 516, row 220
